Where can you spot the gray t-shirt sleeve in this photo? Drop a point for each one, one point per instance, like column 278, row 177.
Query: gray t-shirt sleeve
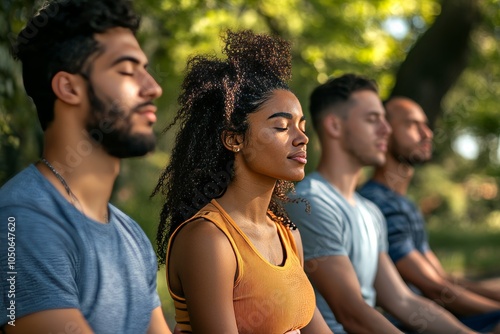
column 322, row 230
column 45, row 266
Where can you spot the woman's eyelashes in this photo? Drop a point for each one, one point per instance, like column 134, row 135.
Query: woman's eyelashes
column 286, row 128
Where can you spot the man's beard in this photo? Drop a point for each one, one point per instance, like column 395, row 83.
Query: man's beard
column 413, row 158
column 110, row 126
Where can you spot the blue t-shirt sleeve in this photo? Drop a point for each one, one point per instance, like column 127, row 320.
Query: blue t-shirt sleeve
column 44, row 266
column 321, row 230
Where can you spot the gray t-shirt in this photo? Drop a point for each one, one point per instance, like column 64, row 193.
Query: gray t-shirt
column 52, row 257
column 335, row 227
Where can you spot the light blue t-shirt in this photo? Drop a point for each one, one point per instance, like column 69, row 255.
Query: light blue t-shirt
column 335, row 227
column 52, row 257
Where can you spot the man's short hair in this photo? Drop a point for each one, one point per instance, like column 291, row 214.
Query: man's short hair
column 334, row 91
column 60, row 37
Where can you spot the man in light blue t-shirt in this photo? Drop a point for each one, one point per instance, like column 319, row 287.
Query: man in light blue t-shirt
column 70, row 261
column 340, row 228
column 344, row 235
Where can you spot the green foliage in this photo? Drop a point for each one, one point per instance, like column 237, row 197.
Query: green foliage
column 328, row 38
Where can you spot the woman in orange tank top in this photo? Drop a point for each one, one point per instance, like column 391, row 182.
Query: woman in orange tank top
column 234, row 259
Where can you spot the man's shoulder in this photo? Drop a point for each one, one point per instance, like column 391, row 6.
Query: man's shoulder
column 365, row 201
column 306, row 186
column 27, row 193
column 23, row 188
column 374, row 190
column 127, row 224
column 383, row 197
column 369, row 205
column 315, row 187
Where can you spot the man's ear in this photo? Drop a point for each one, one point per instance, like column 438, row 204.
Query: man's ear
column 68, row 87
column 332, row 125
column 231, row 140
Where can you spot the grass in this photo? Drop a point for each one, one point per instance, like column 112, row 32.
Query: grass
column 471, row 251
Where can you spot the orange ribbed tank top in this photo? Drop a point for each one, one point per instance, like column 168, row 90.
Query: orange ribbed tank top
column 267, row 299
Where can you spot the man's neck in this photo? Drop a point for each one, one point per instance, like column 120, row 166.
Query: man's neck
column 342, row 173
column 395, row 174
column 89, row 175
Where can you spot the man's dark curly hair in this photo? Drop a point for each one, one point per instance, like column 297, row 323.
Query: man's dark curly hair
column 218, row 95
column 336, row 90
column 60, row 37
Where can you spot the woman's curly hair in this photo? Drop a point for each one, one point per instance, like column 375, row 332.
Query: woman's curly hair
column 218, row 95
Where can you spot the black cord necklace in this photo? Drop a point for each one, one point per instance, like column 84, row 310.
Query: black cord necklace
column 62, row 180
column 74, row 199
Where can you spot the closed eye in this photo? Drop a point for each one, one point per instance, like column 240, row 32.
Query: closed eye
column 281, row 129
column 126, row 73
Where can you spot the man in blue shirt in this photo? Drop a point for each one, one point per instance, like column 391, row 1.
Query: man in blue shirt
column 410, row 144
column 71, row 262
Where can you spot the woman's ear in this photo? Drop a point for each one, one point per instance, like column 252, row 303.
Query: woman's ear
column 332, row 125
column 68, row 87
column 231, row 140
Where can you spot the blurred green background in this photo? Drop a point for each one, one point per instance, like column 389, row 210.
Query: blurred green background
column 444, row 54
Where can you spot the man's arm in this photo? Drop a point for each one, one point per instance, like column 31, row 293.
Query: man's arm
column 335, row 278
column 69, row 320
column 317, row 325
column 414, row 311
column 416, row 269
column 479, row 287
column 158, row 325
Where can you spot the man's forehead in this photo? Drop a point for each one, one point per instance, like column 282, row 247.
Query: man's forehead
column 404, row 108
column 118, row 41
column 366, row 101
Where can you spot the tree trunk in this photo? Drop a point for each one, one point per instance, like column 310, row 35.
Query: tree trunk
column 438, row 58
